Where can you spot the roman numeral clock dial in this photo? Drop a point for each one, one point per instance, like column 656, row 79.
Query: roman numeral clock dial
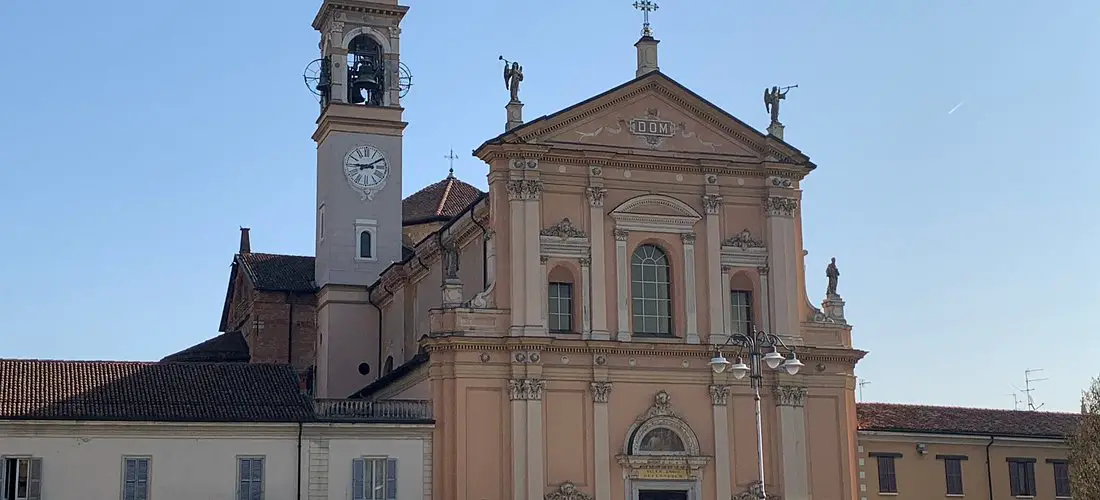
column 366, row 168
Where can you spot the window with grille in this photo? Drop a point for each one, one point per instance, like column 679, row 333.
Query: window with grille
column 650, row 290
column 560, row 307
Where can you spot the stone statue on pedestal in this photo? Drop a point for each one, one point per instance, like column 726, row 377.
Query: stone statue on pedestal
column 833, row 274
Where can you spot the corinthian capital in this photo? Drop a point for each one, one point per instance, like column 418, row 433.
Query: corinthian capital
column 712, row 203
column 719, row 395
column 778, row 206
column 600, row 391
column 789, row 395
column 527, row 389
column 524, row 189
column 595, row 195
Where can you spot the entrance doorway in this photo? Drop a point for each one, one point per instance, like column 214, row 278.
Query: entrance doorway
column 662, row 495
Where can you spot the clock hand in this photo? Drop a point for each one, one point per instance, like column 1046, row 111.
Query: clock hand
column 375, row 162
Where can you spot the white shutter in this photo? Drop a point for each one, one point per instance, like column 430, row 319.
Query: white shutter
column 34, row 488
column 391, row 479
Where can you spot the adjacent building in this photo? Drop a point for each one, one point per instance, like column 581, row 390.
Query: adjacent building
column 186, row 430
column 920, row 452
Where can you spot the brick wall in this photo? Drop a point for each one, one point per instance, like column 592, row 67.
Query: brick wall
column 275, row 339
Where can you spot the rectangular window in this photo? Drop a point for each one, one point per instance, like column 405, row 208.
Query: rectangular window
column 560, row 308
column 887, row 475
column 1061, row 478
column 250, row 478
column 135, row 478
column 953, row 470
column 22, row 478
column 1021, row 477
column 374, row 479
column 741, row 311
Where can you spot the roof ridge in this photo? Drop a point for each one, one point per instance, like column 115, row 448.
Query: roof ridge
column 446, row 194
column 954, row 407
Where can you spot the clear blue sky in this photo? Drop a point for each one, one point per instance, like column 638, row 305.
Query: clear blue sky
column 136, row 136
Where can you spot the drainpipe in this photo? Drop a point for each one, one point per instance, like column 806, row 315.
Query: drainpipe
column 298, row 495
column 370, row 300
column 989, row 467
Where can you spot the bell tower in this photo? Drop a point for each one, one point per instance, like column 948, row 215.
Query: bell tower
column 359, row 80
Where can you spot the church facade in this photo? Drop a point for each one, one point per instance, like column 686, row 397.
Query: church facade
column 562, row 323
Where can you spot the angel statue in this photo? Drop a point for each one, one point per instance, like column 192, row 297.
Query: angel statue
column 772, row 97
column 513, row 74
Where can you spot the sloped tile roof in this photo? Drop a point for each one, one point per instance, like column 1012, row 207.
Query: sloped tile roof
column 283, row 273
column 227, row 347
column 439, row 202
column 143, row 391
column 969, row 421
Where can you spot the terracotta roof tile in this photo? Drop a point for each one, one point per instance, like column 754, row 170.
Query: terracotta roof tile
column 969, row 421
column 440, row 201
column 143, row 391
column 227, row 347
column 283, row 273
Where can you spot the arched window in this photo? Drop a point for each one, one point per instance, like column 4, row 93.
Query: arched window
column 365, row 245
column 650, row 290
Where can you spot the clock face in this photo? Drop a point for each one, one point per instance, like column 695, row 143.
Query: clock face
column 366, row 167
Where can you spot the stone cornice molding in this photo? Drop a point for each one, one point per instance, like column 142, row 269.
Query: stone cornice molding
column 527, row 389
column 627, row 219
column 610, row 348
column 326, row 14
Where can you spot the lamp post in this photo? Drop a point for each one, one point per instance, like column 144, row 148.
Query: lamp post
column 754, row 344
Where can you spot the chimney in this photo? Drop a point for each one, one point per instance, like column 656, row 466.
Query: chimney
column 647, row 54
column 246, row 245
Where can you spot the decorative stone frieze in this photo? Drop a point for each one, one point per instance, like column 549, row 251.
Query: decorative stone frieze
column 567, row 491
column 778, row 206
column 743, row 240
column 621, row 234
column 527, row 389
column 564, row 229
column 524, row 163
column 779, row 182
column 524, row 189
column 601, row 391
column 712, row 203
column 789, row 395
column 753, row 491
column 719, row 395
column 595, row 195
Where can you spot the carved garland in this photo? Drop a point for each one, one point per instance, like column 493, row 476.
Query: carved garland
column 564, row 229
column 744, row 240
column 567, row 491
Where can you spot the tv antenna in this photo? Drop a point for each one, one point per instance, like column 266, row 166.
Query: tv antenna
column 862, row 382
column 1028, row 388
column 1015, row 400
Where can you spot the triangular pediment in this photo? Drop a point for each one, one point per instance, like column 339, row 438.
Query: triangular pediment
column 652, row 112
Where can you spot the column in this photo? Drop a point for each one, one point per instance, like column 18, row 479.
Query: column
column 536, row 322
column 692, row 334
column 622, row 273
column 712, row 204
column 535, row 451
column 544, row 294
column 586, row 302
column 790, row 400
column 518, row 255
column 723, row 466
column 765, row 304
column 602, row 446
column 783, row 262
column 596, row 195
column 519, row 439
column 727, row 314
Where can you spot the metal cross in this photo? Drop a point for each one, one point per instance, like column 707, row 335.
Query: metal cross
column 646, row 6
column 452, row 156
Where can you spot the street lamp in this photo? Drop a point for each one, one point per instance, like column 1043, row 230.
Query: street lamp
column 754, row 344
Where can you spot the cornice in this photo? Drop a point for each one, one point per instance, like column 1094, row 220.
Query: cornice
column 358, row 6
column 614, row 348
column 203, row 430
column 956, row 439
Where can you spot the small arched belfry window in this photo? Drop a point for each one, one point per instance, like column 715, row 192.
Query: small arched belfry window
column 365, row 248
column 650, row 290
